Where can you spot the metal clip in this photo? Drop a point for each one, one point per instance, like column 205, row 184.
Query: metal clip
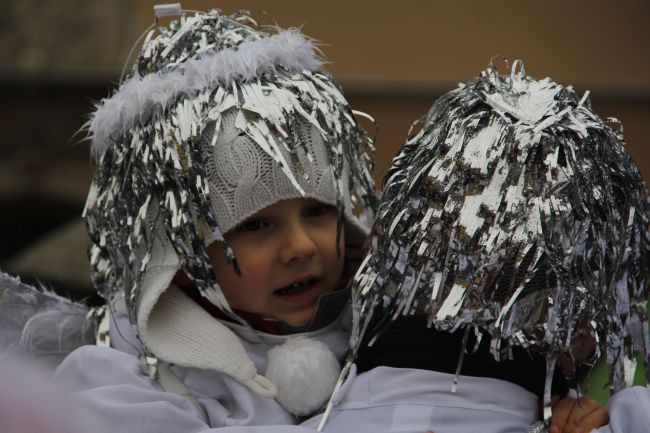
column 151, row 365
column 167, row 10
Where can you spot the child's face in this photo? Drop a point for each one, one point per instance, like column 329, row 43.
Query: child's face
column 287, row 256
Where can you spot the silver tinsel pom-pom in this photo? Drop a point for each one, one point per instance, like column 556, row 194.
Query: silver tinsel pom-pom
column 515, row 211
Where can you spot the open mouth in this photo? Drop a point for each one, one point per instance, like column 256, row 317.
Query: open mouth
column 298, row 287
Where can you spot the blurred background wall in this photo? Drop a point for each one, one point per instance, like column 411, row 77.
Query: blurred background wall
column 393, row 58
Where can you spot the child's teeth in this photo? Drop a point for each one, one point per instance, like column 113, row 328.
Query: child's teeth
column 295, row 287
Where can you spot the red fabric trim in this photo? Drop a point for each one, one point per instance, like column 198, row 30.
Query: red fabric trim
column 261, row 323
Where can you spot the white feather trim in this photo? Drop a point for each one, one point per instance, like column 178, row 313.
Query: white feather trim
column 40, row 324
column 140, row 98
column 305, row 372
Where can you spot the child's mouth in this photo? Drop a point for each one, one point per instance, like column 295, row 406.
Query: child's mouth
column 298, row 287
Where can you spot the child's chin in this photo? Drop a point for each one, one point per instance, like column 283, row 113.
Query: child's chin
column 299, row 319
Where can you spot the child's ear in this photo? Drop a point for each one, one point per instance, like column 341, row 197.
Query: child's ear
column 182, row 280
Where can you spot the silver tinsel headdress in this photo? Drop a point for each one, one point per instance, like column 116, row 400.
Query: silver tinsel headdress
column 514, row 212
column 150, row 179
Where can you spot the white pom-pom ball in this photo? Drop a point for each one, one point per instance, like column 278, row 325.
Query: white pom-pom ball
column 305, row 372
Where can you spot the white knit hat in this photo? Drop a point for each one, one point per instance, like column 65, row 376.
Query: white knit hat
column 217, row 121
column 243, row 179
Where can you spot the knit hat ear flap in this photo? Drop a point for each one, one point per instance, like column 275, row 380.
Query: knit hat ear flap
column 179, row 331
column 176, row 329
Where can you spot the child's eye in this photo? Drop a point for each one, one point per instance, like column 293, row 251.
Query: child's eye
column 252, row 225
column 318, row 210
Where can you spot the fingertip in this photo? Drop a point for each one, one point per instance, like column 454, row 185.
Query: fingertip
column 585, row 399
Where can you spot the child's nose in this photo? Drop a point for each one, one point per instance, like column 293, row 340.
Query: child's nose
column 298, row 244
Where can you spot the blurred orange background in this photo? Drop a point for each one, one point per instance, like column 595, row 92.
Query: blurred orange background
column 392, row 58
